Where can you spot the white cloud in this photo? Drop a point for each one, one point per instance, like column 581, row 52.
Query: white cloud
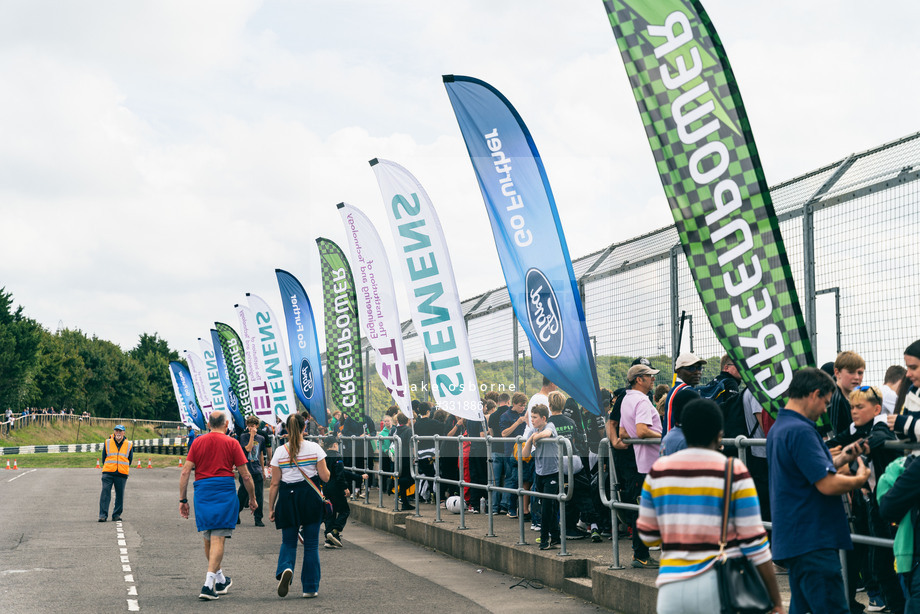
column 160, row 158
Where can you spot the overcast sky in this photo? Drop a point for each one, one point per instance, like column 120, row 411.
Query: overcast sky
column 160, row 159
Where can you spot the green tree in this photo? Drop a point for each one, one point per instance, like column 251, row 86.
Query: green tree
column 152, row 356
column 19, row 340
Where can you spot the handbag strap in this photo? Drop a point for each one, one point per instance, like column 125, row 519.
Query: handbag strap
column 303, row 473
column 726, row 504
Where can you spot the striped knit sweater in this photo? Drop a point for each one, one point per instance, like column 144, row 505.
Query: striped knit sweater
column 681, row 510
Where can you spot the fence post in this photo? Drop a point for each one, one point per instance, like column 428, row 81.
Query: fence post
column 367, row 377
column 808, row 250
column 808, row 260
column 675, row 300
column 514, row 347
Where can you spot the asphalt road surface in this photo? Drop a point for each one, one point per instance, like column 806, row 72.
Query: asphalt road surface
column 55, row 557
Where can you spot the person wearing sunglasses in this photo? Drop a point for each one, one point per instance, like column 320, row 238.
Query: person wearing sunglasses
column 689, row 370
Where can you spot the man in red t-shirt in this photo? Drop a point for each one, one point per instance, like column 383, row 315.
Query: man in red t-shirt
column 213, row 457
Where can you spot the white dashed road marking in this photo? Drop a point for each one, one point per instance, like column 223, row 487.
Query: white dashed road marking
column 133, row 605
column 21, row 474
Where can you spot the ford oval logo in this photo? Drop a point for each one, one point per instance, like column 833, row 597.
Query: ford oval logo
column 306, row 378
column 543, row 312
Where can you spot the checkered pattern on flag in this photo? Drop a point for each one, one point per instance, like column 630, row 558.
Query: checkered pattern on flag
column 343, row 339
column 233, row 403
column 705, row 153
column 235, row 358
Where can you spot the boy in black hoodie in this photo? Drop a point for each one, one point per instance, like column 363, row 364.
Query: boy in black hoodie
column 337, row 492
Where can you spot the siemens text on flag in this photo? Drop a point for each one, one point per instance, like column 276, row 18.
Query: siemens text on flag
column 275, row 358
column 425, row 262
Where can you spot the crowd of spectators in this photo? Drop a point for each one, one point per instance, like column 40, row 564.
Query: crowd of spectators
column 828, row 470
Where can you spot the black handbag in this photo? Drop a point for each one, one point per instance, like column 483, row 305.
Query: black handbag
column 741, row 589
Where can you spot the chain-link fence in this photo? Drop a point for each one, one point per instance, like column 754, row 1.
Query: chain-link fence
column 848, row 229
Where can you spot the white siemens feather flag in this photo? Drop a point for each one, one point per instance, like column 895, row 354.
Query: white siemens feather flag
column 433, row 298
column 255, row 365
column 212, row 380
column 274, row 353
column 377, row 303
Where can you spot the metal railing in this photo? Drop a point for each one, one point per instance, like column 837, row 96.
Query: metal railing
column 607, row 479
column 566, row 476
column 368, row 442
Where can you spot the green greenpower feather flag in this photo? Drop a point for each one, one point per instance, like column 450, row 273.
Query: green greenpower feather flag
column 711, row 173
column 235, row 356
column 340, row 320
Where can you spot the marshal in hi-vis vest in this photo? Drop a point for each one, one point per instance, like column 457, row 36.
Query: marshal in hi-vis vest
column 116, row 457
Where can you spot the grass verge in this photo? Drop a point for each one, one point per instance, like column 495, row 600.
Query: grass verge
column 60, row 432
column 84, row 460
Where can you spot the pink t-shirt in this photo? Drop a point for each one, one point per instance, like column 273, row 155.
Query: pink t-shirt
column 637, row 409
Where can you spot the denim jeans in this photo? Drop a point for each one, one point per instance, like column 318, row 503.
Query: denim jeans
column 510, row 501
column 910, row 582
column 110, row 479
column 498, row 479
column 287, row 556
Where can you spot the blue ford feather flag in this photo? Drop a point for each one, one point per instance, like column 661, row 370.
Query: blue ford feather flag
column 528, row 236
column 305, row 361
column 185, row 392
column 233, row 403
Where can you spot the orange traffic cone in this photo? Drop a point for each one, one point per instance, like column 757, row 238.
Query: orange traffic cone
column 149, row 465
column 138, row 463
column 15, row 464
column 97, row 464
column 180, row 461
column 8, row 465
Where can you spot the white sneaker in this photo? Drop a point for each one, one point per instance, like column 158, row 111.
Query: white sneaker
column 285, row 583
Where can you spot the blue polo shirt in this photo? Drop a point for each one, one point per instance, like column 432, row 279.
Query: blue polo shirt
column 804, row 520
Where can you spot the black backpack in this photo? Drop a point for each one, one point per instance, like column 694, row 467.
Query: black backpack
column 731, row 402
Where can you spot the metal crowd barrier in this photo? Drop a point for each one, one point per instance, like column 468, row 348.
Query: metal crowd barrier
column 566, row 476
column 564, row 493
column 608, row 479
column 381, row 475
